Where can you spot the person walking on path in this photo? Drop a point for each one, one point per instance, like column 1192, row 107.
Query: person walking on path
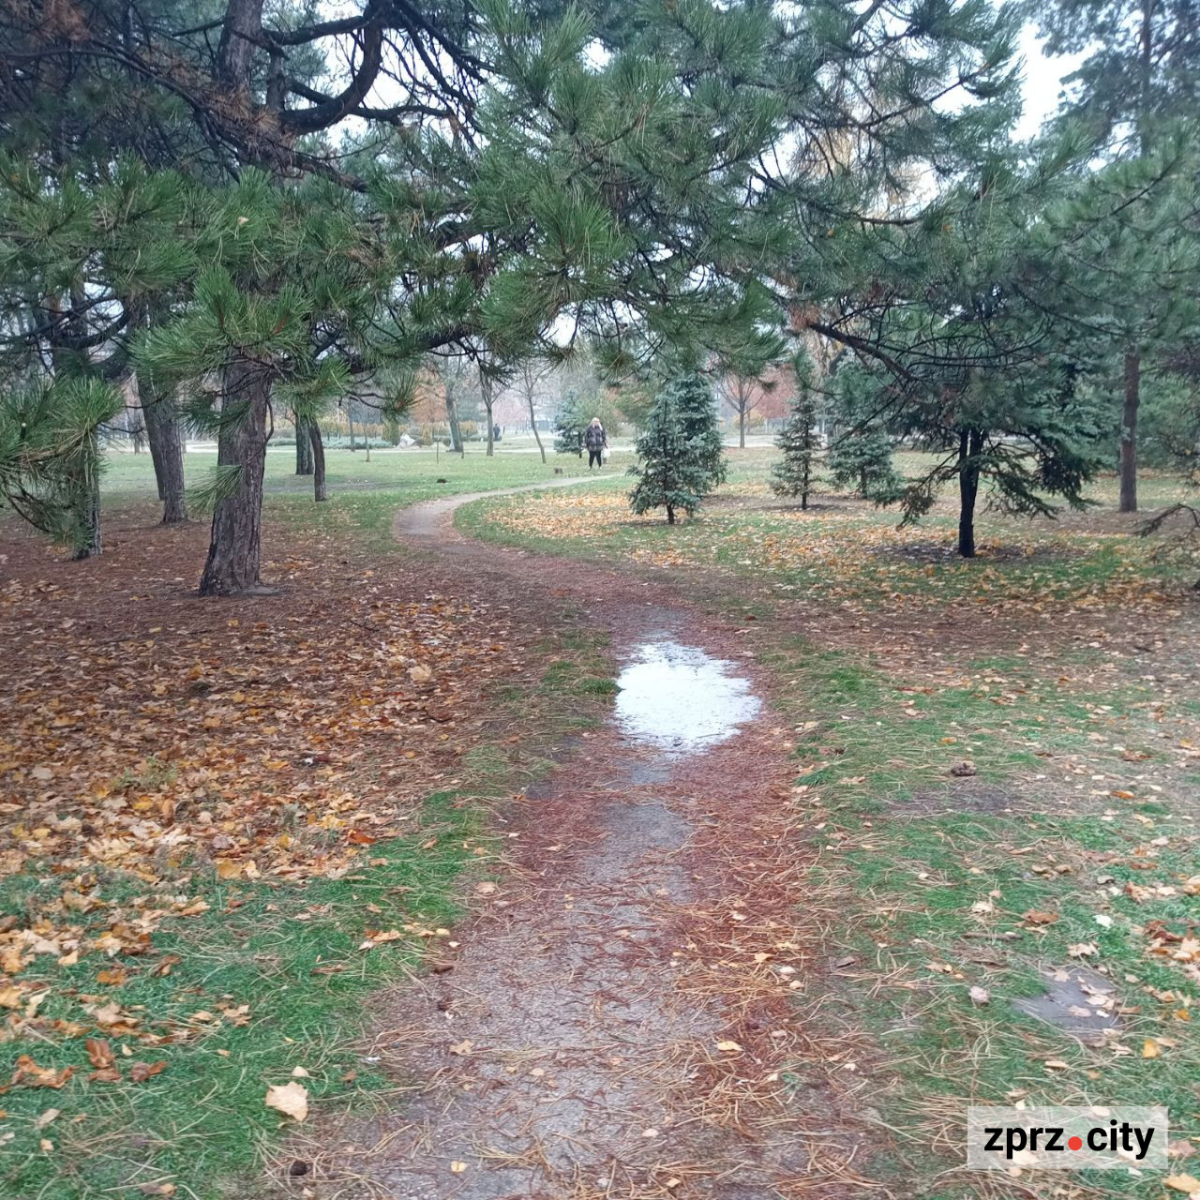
column 596, row 441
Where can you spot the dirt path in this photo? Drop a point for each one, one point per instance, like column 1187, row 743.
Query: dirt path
column 619, row 1010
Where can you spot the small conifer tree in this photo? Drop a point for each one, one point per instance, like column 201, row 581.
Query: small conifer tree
column 680, row 455
column 860, row 456
column 798, row 440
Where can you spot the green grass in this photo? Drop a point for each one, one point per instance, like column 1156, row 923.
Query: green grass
column 903, row 875
column 199, row 1122
column 275, row 971
column 902, row 851
column 844, row 550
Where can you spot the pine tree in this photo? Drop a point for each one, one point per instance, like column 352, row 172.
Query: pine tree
column 797, row 473
column 1135, row 90
column 680, row 454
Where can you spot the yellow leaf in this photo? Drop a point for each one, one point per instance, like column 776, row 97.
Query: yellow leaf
column 458, row 1167
column 731, row 1047
column 1183, row 1183
column 291, row 1099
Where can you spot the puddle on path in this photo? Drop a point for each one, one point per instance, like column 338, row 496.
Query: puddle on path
column 681, row 700
column 1078, row 1000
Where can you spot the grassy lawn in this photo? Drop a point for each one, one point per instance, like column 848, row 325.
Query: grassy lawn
column 224, row 828
column 1055, row 675
column 363, row 495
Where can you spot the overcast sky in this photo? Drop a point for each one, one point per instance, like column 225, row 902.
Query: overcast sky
column 1043, row 77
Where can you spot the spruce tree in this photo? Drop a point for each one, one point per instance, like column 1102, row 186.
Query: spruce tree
column 569, row 424
column 797, row 473
column 860, row 452
column 680, row 454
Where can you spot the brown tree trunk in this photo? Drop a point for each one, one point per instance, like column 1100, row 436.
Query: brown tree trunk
column 742, row 428
column 456, row 440
column 485, row 392
column 670, row 514
column 304, row 454
column 166, row 449
column 970, row 445
column 533, row 425
column 88, row 542
column 233, row 553
column 318, row 459
column 1129, row 419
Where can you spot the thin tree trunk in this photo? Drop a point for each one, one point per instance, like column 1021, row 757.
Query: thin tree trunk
column 164, row 435
column 485, row 392
column 318, row 458
column 970, row 445
column 456, row 439
column 1129, row 420
column 233, row 553
column 304, row 454
column 533, row 425
column 350, row 422
column 166, row 449
column 670, row 514
column 742, row 428
column 88, row 543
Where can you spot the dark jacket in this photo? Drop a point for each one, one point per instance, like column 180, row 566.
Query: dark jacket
column 594, row 437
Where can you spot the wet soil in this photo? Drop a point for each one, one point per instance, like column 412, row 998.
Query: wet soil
column 619, row 1010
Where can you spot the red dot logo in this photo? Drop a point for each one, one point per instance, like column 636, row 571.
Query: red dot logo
column 1076, row 1143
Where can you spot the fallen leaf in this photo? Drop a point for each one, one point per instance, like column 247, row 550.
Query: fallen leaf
column 29, row 1074
column 100, row 1054
column 1183, row 1183
column 1035, row 917
column 458, row 1167
column 729, row 1047
column 139, row 1072
column 980, row 995
column 1149, row 1048
column 291, row 1099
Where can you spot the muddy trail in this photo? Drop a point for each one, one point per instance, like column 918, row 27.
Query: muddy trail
column 617, row 1016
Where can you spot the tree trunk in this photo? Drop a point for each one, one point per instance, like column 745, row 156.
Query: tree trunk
column 233, row 552
column 670, row 514
column 1129, row 419
column 456, row 439
column 533, row 425
column 166, row 449
column 87, row 516
column 970, row 445
column 304, row 454
column 485, row 392
column 742, row 428
column 350, row 422
column 318, row 458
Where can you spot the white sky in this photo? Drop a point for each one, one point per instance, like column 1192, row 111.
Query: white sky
column 1043, row 77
